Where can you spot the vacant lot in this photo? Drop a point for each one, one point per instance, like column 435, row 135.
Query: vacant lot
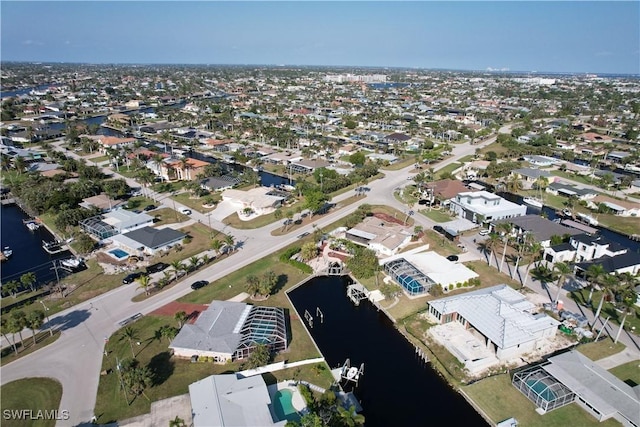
column 30, row 393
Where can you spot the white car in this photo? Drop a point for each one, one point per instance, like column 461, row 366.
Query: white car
column 185, row 211
column 484, row 232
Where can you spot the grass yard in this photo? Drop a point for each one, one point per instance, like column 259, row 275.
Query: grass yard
column 167, row 216
column 499, row 400
column 489, row 276
column 194, row 203
column 448, row 169
column 437, row 215
column 608, row 310
column 30, row 393
column 400, row 164
column 628, row 372
column 440, row 244
column 601, row 349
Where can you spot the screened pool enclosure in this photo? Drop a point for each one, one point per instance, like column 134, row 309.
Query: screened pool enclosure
column 408, row 276
column 542, row 389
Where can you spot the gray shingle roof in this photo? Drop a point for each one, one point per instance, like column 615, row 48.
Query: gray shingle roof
column 541, row 228
column 154, row 238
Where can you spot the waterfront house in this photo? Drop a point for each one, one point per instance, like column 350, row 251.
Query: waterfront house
column 528, row 176
column 115, row 222
column 102, row 202
column 385, row 238
column 627, row 262
column 260, row 200
column 491, row 323
column 307, row 166
column 219, row 183
column 443, row 190
column 617, row 207
column 567, row 190
column 583, row 247
column 114, row 142
column 228, row 331
column 149, row 240
column 540, row 228
column 480, row 206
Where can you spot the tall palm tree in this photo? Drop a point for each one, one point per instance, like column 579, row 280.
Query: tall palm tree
column 230, row 242
column 143, row 283
column 17, row 322
column 181, row 317
column 608, row 282
column 194, row 261
column 563, row 269
column 34, row 321
column 177, row 268
column 6, row 327
column 505, row 228
column 535, row 250
column 593, row 275
column 490, row 244
column 131, row 335
column 628, row 300
column 216, row 245
column 28, row 279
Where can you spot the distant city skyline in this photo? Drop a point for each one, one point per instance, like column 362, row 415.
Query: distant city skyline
column 572, row 37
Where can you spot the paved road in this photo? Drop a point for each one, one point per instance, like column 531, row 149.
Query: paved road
column 75, row 358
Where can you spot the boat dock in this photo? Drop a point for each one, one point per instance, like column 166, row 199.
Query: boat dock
column 54, row 247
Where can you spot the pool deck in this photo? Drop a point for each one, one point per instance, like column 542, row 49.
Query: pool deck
column 296, row 398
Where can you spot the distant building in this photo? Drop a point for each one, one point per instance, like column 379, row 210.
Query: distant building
column 148, row 240
column 380, row 236
column 540, row 228
column 115, row 222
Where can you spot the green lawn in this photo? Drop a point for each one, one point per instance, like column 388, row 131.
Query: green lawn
column 628, row 372
column 436, row 215
column 608, row 309
column 600, row 350
column 449, row 168
column 167, row 216
column 195, row 203
column 499, row 400
column 8, row 355
column 30, row 393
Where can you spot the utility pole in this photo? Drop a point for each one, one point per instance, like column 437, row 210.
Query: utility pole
column 46, row 309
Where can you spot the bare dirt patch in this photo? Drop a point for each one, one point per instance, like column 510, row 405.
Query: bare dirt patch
column 192, row 310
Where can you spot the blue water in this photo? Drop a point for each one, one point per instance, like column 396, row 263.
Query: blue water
column 28, row 254
column 283, row 407
column 541, row 389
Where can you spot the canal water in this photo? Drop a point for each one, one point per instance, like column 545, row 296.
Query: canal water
column 28, row 254
column 397, row 388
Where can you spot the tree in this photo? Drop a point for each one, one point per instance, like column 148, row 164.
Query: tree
column 177, row 422
column 216, row 245
column 593, row 275
column 506, row 229
column 535, row 250
column 17, row 322
column 143, row 283
column 84, row 243
column 12, row 287
column 168, row 332
column 268, row 282
column 230, row 242
column 314, row 200
column 363, row 264
column 136, row 378
column 260, row 356
column 34, row 321
column 608, row 282
column 349, row 417
column 309, row 251
column 28, row 279
column 253, row 284
column 177, row 267
column 5, row 326
column 181, row 317
column 563, row 269
column 357, row 158
column 131, row 335
column 627, row 301
column 194, row 262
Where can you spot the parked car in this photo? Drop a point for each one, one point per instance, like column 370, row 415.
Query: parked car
column 130, row 278
column 303, row 235
column 149, row 208
column 155, row 268
column 484, row 232
column 438, row 228
column 199, row 284
column 185, row 211
column 453, row 258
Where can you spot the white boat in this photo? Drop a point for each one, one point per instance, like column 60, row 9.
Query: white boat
column 7, row 252
column 71, row 262
column 588, row 219
column 567, row 212
column 532, row 201
column 33, row 226
column 352, row 372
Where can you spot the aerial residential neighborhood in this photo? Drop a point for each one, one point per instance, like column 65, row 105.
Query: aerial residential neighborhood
column 296, row 245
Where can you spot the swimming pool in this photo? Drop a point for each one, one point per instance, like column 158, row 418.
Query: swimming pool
column 541, row 390
column 118, row 253
column 284, row 407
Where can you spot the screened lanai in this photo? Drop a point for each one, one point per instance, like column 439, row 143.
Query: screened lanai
column 408, row 276
column 542, row 389
column 98, row 228
column 263, row 325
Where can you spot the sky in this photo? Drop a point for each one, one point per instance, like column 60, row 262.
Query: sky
column 574, row 36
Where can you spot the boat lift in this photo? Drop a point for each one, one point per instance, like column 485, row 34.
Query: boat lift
column 351, row 373
column 357, row 293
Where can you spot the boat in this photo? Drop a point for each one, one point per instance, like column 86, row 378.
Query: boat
column 72, row 263
column 352, row 372
column 7, row 252
column 567, row 212
column 33, row 226
column 588, row 219
column 532, row 201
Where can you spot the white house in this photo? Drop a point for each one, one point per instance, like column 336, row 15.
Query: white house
column 380, row 236
column 480, row 206
column 261, row 200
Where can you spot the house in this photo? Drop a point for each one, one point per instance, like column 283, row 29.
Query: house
column 102, row 201
column 170, row 169
column 529, row 176
column 261, row 200
column 628, row 262
column 594, row 137
column 149, row 240
column 582, row 247
column 541, row 160
column 114, row 142
column 385, row 238
column 231, row 401
column 307, row 166
column 540, row 228
column 442, row 190
column 219, row 183
column 617, row 207
column 115, row 222
column 574, row 377
column 481, row 206
column 562, row 189
column 418, row 272
column 228, row 331
column 501, row 319
column 219, row 145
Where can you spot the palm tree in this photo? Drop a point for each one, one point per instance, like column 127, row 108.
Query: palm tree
column 535, row 250
column 12, row 287
column 177, row 422
column 181, row 317
column 143, row 283
column 505, row 228
column 609, row 282
column 4, row 326
column 34, row 321
column 17, row 322
column 194, row 261
column 349, row 417
column 28, row 279
column 130, row 335
column 177, row 268
column 230, row 242
column 216, row 245
column 593, row 275
column 206, row 259
column 563, row 269
column 490, row 245
column 627, row 302
column 253, row 284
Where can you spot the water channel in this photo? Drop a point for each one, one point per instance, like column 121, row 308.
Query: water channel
column 397, row 388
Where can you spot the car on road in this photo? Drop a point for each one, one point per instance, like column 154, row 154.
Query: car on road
column 149, row 208
column 130, row 278
column 156, row 268
column 305, row 234
column 484, row 232
column 199, row 284
column 453, row 258
column 185, row 211
column 438, row 228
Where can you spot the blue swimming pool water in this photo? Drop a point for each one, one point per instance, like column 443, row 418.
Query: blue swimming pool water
column 541, row 389
column 118, row 253
column 283, row 407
